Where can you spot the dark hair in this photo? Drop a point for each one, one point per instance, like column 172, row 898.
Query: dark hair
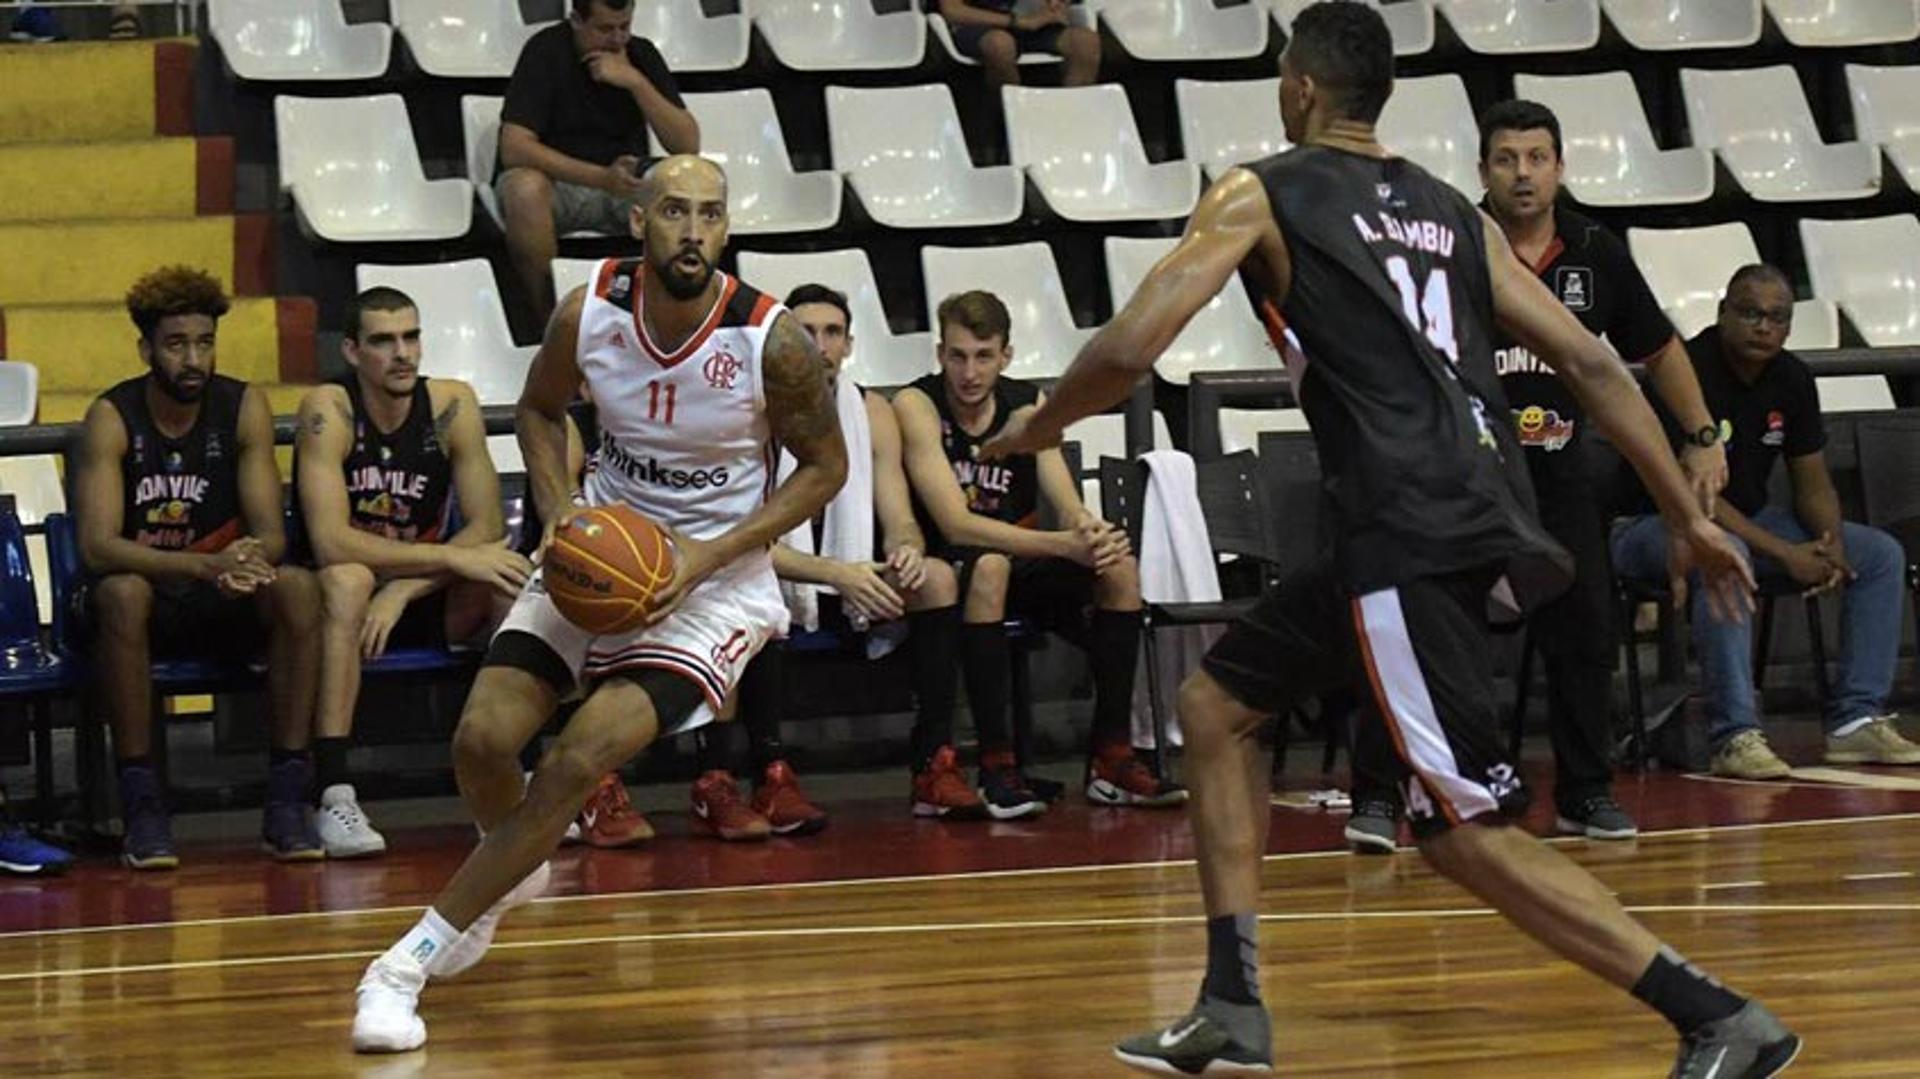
column 1517, row 115
column 1763, row 272
column 978, row 312
column 174, row 290
column 584, row 8
column 1346, row 49
column 817, row 293
column 377, row 298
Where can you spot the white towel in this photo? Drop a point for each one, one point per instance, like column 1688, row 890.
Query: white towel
column 1176, row 566
column 846, row 535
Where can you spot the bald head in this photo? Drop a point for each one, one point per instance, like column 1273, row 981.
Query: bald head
column 690, row 176
column 681, row 219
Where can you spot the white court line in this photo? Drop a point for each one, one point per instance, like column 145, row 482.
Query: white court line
column 1734, row 884
column 697, row 936
column 1896, row 875
column 913, row 878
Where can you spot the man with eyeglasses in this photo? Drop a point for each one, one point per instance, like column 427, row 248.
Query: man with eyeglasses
column 1768, row 408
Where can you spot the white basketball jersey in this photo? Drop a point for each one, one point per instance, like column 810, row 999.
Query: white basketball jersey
column 684, row 436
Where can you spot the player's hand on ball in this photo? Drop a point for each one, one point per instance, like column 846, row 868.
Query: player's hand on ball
column 551, row 527
column 491, row 564
column 1701, row 545
column 693, row 562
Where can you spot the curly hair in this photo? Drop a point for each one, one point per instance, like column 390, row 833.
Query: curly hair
column 174, row 290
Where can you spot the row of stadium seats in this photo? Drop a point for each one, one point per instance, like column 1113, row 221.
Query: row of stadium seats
column 268, row 40
column 354, row 173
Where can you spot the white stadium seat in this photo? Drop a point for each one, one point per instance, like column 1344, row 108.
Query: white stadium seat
column 1223, row 124
column 1524, row 26
column 1761, row 125
column 1662, row 25
column 1611, row 157
column 690, row 40
column 1225, row 335
column 1688, row 271
column 1871, row 268
column 839, row 35
column 1854, row 393
column 569, row 274
column 1886, row 110
column 464, row 332
column 1409, row 21
column 355, row 174
column 739, row 129
column 283, row 40
column 1430, row 122
column 1024, row 276
column 464, row 39
column 904, row 153
column 1845, row 23
column 1083, row 152
column 19, row 393
column 1241, row 428
column 1180, row 30
column 880, row 357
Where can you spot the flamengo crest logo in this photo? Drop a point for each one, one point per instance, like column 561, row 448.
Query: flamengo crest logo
column 721, row 369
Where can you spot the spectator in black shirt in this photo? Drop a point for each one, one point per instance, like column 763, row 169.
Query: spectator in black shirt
column 1590, row 272
column 1765, row 398
column 573, row 135
column 991, row 32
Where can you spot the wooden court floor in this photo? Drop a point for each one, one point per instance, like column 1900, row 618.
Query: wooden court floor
column 1373, row 967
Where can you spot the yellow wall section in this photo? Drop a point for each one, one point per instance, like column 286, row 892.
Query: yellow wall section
column 88, row 348
column 71, row 263
column 147, row 178
column 72, row 92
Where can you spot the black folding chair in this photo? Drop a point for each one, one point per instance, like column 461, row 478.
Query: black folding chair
column 1889, row 455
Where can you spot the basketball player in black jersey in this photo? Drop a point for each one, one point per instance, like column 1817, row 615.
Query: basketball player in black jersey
column 1394, row 284
column 179, row 523
column 379, row 458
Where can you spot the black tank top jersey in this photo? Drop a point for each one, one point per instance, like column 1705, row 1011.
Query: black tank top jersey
column 1392, row 303
column 181, row 494
column 398, row 484
column 1003, row 490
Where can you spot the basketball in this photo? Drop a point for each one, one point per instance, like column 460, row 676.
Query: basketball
column 604, row 566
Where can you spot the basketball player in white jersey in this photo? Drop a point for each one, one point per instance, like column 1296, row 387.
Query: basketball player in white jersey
column 697, row 378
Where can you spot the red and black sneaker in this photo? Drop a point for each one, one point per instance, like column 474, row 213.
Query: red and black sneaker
column 608, row 820
column 779, row 799
column 718, row 810
column 941, row 790
column 1118, row 777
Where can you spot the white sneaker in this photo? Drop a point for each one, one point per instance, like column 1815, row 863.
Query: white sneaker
column 471, row 946
column 386, row 1019
column 343, row 827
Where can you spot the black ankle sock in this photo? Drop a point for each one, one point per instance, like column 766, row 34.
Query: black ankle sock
column 761, row 706
column 330, row 762
column 277, row 756
column 1685, row 994
column 983, row 658
column 1233, row 963
column 932, row 640
column 1113, row 654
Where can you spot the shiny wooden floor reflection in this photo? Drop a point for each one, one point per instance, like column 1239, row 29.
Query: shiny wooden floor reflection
column 1374, row 967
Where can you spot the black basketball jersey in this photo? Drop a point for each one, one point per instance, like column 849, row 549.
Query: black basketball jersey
column 181, row 494
column 398, row 483
column 1392, row 303
column 1006, row 490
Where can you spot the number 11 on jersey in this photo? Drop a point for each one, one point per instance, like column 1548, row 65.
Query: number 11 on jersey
column 654, row 398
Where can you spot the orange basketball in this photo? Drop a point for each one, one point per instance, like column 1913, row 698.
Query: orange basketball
column 604, row 566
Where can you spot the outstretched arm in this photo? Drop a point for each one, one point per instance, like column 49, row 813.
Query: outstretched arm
column 1232, row 220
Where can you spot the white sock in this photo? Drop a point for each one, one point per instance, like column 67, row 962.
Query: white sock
column 1845, row 729
column 427, row 939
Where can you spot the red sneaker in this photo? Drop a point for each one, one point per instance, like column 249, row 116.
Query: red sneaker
column 779, row 799
column 1121, row 778
column 608, row 820
column 942, row 790
column 719, row 810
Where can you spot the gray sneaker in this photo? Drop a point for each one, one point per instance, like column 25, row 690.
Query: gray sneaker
column 1598, row 817
column 1215, row 1038
column 1749, row 1044
column 1374, row 827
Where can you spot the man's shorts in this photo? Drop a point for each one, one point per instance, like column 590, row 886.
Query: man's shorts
column 1054, row 594
column 422, row 625
column 190, row 620
column 1421, row 656
column 708, row 640
column 578, row 208
column 966, row 39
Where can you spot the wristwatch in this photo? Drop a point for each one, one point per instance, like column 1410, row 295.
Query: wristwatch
column 1705, row 436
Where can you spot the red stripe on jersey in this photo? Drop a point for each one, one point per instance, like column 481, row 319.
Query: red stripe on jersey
column 603, row 285
column 1276, row 325
column 761, row 308
column 699, row 337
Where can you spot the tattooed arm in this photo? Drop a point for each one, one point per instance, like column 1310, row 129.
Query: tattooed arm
column 801, row 411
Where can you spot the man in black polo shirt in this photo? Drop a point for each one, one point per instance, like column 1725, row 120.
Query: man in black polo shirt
column 573, row 135
column 1765, row 397
column 1589, row 270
